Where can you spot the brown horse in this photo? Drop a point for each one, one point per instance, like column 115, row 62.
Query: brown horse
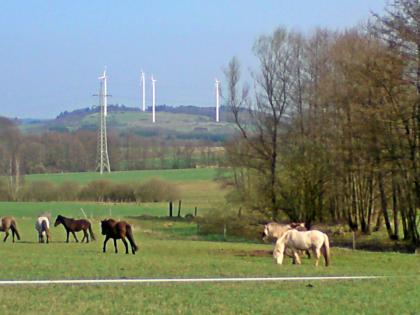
column 9, row 223
column 72, row 225
column 118, row 230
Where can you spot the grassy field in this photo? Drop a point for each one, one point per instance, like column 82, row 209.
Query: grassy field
column 197, row 187
column 173, row 249
column 180, row 175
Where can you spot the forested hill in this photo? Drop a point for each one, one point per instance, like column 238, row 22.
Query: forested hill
column 184, row 109
column 185, row 122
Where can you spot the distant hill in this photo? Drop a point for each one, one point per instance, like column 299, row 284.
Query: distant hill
column 182, row 122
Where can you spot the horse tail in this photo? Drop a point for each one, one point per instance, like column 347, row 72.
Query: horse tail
column 45, row 227
column 129, row 234
column 13, row 227
column 92, row 236
column 326, row 250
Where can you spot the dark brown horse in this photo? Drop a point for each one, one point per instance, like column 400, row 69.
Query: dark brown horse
column 9, row 223
column 118, row 230
column 72, row 225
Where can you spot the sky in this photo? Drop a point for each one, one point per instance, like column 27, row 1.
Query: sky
column 52, row 52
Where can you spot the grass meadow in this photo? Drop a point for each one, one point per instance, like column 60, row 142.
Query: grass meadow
column 179, row 175
column 175, row 249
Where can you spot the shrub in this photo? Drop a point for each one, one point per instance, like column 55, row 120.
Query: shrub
column 121, row 193
column 40, row 190
column 97, row 190
column 156, row 190
column 246, row 225
column 4, row 191
column 68, row 191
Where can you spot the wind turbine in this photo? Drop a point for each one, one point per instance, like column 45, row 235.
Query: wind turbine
column 217, row 85
column 153, row 99
column 143, row 87
column 104, row 93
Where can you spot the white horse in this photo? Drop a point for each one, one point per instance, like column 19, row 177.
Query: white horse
column 296, row 240
column 42, row 225
column 276, row 230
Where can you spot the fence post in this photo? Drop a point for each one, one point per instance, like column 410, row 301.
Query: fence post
column 224, row 231
column 179, row 209
column 170, row 209
column 195, row 211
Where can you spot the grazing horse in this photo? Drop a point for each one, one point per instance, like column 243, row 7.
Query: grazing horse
column 72, row 225
column 296, row 240
column 42, row 225
column 6, row 224
column 276, row 231
column 118, row 230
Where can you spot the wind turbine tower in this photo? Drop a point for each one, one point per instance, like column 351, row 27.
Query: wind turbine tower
column 217, row 85
column 153, row 100
column 143, row 88
column 103, row 158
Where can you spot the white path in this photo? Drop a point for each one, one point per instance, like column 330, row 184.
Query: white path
column 181, row 280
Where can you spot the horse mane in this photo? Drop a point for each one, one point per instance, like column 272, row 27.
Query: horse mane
column 45, row 214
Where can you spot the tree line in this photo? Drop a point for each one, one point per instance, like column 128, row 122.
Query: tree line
column 53, row 152
column 333, row 126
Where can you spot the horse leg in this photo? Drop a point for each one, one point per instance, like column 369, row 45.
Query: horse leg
column 74, row 235
column 279, row 253
column 115, row 245
column 13, row 235
column 6, row 235
column 68, row 234
column 86, row 236
column 106, row 240
column 317, row 253
column 296, row 257
column 125, row 244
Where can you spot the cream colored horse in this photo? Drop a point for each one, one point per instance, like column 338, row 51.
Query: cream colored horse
column 296, row 240
column 275, row 230
column 42, row 225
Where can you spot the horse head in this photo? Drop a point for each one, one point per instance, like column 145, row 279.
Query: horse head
column 104, row 226
column 265, row 233
column 58, row 220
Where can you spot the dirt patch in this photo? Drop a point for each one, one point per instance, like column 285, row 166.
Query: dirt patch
column 256, row 253
column 245, row 253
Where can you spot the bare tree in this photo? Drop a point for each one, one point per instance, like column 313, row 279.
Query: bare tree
column 264, row 113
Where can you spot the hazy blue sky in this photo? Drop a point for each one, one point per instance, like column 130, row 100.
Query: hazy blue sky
column 51, row 52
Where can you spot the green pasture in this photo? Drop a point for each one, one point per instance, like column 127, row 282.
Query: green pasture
column 179, row 175
column 169, row 248
column 73, row 209
column 173, row 249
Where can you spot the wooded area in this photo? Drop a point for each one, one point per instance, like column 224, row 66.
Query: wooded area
column 54, row 152
column 334, row 129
